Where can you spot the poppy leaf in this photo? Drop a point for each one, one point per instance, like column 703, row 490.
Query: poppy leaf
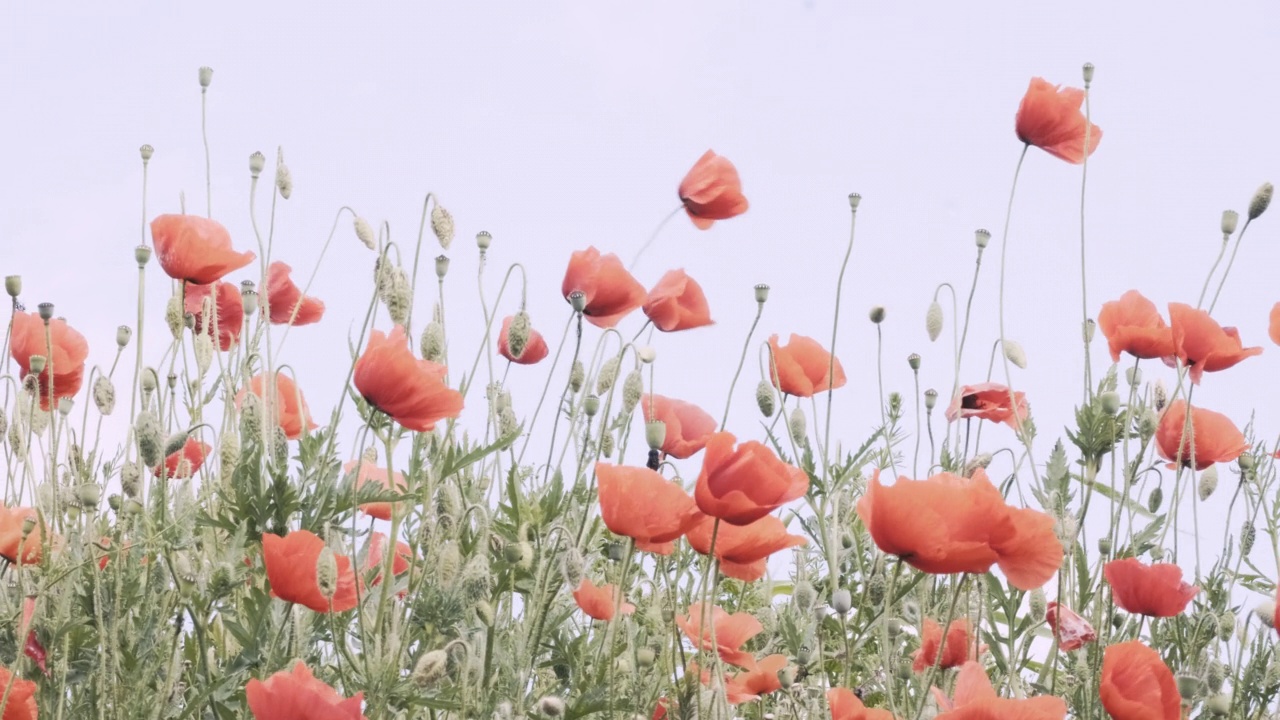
column 456, row 464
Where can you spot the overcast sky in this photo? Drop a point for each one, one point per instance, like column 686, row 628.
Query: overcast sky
column 559, row 125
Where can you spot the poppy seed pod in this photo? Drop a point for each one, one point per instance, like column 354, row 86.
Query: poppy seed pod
column 205, row 76
column 64, row 406
column 1230, row 218
column 142, row 255
column 483, row 240
column 13, row 285
column 578, row 301
column 1104, row 546
column 1261, row 200
column 982, row 238
column 146, row 151
column 913, row 361
column 1133, row 376
column 930, row 398
column 1087, row 72
column 876, row 314
column 933, row 320
column 1090, row 327
column 442, row 266
column 591, row 405
column 442, row 225
column 842, row 601
column 762, row 293
column 257, row 161
column 284, row 181
column 765, row 398
column 37, row 363
column 854, row 200
column 655, row 433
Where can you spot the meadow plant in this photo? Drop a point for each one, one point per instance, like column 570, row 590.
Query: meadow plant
column 457, row 556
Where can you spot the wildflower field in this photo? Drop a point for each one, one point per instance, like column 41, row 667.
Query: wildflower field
column 183, row 536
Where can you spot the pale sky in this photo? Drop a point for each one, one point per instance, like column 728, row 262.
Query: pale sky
column 559, row 125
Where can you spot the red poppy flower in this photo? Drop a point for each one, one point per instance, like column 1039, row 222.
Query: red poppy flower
column 32, row 647
column 228, row 306
column 185, row 462
column 846, row 705
column 11, row 541
column 609, row 290
column 955, row 651
column 290, row 406
column 370, row 472
column 1152, row 590
column 688, row 426
column 535, row 348
column 597, row 602
column 291, row 570
column 1071, row 630
column 1273, row 325
column 804, row 368
column 761, row 679
column 411, row 391
column 21, row 704
column 63, row 349
column 195, row 249
column 1202, row 344
column 988, row 401
column 378, row 554
column 288, row 306
column 744, row 550
column 712, row 191
column 950, row 524
column 1050, row 118
column 1137, row 685
column 741, row 485
column 1132, row 324
column 298, row 695
column 1213, row 437
column 641, row 504
column 677, row 303
column 976, row 699
column 731, row 631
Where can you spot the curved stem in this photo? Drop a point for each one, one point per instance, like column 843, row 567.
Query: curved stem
column 1230, row 261
column 1084, row 293
column 854, row 199
column 729, row 400
column 631, row 266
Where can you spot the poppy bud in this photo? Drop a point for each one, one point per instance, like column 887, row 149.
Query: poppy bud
column 787, row 676
column 1189, row 686
column 981, row 237
column 104, row 395
column 876, row 314
column 430, row 668
column 146, row 151
column 432, row 345
column 1261, row 199
column 913, row 360
column 484, row 611
column 448, row 562
column 606, row 445
column 284, row 181
column 1038, row 605
column 147, row 430
column 797, row 426
column 1089, row 328
column 646, row 353
column 1133, row 376
column 205, row 76
column 36, row 363
column 1226, row 625
column 442, row 225
column 89, row 495
column 476, row 582
column 115, row 502
column 762, row 293
column 608, row 374
column 842, row 601
column 1247, row 537
column 1245, row 462
column 1104, row 545
column 511, row 553
column 203, row 349
column 911, row 611
column 1218, row 705
column 1229, row 220
column 765, row 398
column 905, row 672
column 876, row 588
column 398, row 295
column 1160, row 396
column 577, row 376
column 591, row 405
column 632, row 389
column 854, row 200
column 13, row 285
column 507, row 422
column 1208, row 482
column 174, row 317
column 518, row 334
column 551, row 706
column 442, row 266
column 930, row 398
column 484, row 240
column 142, row 254
column 1157, row 553
column 572, row 566
column 364, row 233
column 1013, row 351
column 979, row 461
column 131, row 507
column 1215, row 675
column 175, row 442
column 655, row 433
column 804, row 596
column 1110, row 402
column 229, row 453
column 645, row 657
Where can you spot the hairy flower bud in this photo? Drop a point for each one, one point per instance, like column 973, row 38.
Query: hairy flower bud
column 174, row 317
column 606, row 445
column 842, row 601
column 796, row 424
column 551, row 706
column 148, row 433
column 1110, row 402
column 448, row 563
column 1014, row 352
column 573, row 567
column 430, row 668
column 203, row 350
column 1038, row 605
column 876, row 314
column 476, row 581
column 104, row 395
column 577, row 376
column 518, row 334
column 432, row 345
column 364, row 233
column 327, row 572
column 1261, row 200
column 608, row 375
column 284, row 180
column 765, row 398
column 933, row 320
column 229, row 452
column 1248, row 535
column 396, row 291
column 1208, row 482
column 804, row 595
column 632, row 389
column 1159, row 395
column 442, row 225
